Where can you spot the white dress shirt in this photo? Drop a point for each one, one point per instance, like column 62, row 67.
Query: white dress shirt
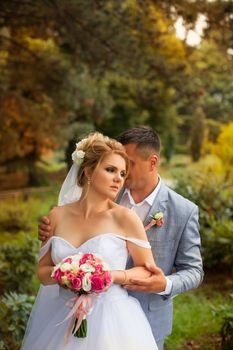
column 142, row 210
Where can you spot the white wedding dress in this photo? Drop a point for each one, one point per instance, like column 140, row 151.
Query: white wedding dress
column 116, row 322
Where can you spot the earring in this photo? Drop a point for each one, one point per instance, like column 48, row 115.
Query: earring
column 88, row 180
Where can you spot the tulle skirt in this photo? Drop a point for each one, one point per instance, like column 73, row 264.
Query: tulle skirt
column 116, row 322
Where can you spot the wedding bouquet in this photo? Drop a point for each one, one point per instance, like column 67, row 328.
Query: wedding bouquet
column 86, row 275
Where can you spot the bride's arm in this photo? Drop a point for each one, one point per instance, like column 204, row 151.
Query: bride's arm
column 133, row 227
column 45, row 268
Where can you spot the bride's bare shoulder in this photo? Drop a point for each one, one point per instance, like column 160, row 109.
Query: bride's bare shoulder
column 57, row 213
column 126, row 216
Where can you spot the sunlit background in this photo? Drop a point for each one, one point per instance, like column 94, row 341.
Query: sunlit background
column 70, row 67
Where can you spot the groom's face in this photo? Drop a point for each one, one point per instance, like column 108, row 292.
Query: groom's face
column 139, row 168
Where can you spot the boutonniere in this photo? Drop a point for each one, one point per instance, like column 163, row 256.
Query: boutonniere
column 156, row 219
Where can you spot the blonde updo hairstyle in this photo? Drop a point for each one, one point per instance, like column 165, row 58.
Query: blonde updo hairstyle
column 97, row 146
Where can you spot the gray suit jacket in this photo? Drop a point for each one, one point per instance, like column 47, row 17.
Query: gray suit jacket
column 176, row 250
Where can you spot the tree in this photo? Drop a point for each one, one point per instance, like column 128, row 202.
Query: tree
column 197, row 133
column 109, row 65
column 223, row 149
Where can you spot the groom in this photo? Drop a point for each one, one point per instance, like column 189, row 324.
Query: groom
column 175, row 244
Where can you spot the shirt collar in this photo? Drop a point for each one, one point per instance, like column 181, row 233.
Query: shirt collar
column 149, row 199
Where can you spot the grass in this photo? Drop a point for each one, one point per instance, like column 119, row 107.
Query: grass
column 194, row 325
column 193, row 318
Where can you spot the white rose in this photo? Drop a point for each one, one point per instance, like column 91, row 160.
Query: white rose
column 78, row 156
column 158, row 216
column 65, row 280
column 64, row 267
column 86, row 283
column 87, row 268
column 75, row 267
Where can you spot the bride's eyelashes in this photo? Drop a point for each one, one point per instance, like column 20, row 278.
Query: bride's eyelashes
column 111, row 169
column 123, row 174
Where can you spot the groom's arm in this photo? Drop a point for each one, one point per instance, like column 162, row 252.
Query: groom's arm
column 188, row 264
column 188, row 261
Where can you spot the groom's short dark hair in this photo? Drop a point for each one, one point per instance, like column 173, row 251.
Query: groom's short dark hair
column 143, row 136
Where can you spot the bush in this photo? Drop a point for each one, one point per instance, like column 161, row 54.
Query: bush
column 14, row 218
column 20, row 215
column 214, row 198
column 14, row 312
column 218, row 246
column 226, row 313
column 17, row 265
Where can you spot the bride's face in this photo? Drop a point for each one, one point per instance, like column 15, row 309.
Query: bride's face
column 108, row 178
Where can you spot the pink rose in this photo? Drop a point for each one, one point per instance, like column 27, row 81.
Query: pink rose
column 68, row 260
column 81, row 273
column 97, row 283
column 58, row 274
column 85, row 258
column 98, row 269
column 76, row 283
column 108, row 278
column 69, row 275
column 160, row 222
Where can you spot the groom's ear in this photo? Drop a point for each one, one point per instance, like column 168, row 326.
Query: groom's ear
column 154, row 161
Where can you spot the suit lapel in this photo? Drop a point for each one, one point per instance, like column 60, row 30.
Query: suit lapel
column 159, row 203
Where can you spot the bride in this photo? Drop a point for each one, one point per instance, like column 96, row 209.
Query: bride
column 88, row 221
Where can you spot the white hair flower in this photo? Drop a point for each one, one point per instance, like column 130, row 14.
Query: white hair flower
column 78, row 154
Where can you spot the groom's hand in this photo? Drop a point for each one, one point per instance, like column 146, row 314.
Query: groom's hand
column 156, row 283
column 44, row 229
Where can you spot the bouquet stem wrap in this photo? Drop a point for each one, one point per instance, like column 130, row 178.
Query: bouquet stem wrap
column 82, row 305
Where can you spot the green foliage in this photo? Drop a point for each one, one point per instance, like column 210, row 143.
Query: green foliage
column 14, row 312
column 111, row 65
column 17, row 265
column 169, row 146
column 212, row 68
column 22, row 214
column 197, row 133
column 225, row 311
column 214, row 197
column 70, row 81
column 18, row 258
column 14, row 218
column 213, row 129
column 218, row 245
